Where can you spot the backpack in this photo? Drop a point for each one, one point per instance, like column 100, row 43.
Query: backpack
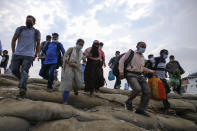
column 23, row 27
column 116, row 63
column 60, row 60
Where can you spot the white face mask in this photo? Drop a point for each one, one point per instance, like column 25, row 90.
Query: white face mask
column 152, row 60
column 100, row 47
column 54, row 41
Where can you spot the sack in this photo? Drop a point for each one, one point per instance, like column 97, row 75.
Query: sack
column 116, row 63
column 111, row 76
column 157, row 88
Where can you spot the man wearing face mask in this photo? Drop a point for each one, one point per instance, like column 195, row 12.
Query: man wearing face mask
column 175, row 71
column 160, row 68
column 111, row 66
column 27, row 49
column 53, row 51
column 134, row 76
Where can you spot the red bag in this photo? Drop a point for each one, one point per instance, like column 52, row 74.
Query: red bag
column 157, row 88
column 161, row 90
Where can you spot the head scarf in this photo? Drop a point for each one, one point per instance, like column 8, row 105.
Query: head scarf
column 94, row 51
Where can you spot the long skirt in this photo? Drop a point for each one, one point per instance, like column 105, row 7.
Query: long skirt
column 91, row 75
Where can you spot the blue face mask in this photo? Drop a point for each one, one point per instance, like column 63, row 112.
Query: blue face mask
column 165, row 56
column 117, row 55
column 79, row 47
column 141, row 50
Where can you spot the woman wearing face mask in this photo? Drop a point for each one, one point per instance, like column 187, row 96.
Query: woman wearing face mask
column 71, row 76
column 91, row 73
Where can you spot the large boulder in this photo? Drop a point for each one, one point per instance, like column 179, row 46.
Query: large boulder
column 114, row 91
column 37, row 80
column 9, row 77
column 8, row 82
column 8, row 123
column 176, row 104
column 189, row 115
column 74, row 125
column 162, row 122
column 183, row 96
column 37, row 111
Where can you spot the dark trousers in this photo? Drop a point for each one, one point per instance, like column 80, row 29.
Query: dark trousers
column 117, row 83
column 138, row 84
column 167, row 90
column 49, row 68
column 20, row 66
column 43, row 71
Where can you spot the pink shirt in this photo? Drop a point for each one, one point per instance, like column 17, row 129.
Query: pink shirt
column 87, row 52
column 136, row 64
column 102, row 55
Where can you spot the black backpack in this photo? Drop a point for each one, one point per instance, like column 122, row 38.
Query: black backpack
column 60, row 60
column 116, row 63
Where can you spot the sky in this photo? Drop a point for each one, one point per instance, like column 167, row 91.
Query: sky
column 119, row 24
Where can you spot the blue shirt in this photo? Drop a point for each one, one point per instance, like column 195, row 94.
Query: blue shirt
column 0, row 46
column 52, row 53
column 26, row 41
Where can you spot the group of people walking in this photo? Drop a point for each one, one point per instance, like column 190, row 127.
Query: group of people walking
column 53, row 55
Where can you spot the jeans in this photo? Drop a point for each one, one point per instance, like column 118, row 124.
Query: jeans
column 20, row 66
column 65, row 96
column 50, row 68
column 138, row 84
column 117, row 83
column 43, row 71
column 167, row 90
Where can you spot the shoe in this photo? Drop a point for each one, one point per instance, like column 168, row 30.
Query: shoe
column 128, row 106
column 76, row 93
column 49, row 90
column 142, row 113
column 22, row 93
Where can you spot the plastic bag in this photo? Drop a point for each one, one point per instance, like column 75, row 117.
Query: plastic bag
column 157, row 88
column 111, row 76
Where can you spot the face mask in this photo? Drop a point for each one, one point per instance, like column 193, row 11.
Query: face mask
column 117, row 55
column 54, row 41
column 152, row 60
column 79, row 47
column 141, row 50
column 29, row 24
column 165, row 56
column 100, row 47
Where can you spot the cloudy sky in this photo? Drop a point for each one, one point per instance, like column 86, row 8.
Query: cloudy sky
column 120, row 24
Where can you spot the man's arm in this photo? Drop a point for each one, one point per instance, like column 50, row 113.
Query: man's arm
column 7, row 59
column 13, row 44
column 62, row 49
column 37, row 48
